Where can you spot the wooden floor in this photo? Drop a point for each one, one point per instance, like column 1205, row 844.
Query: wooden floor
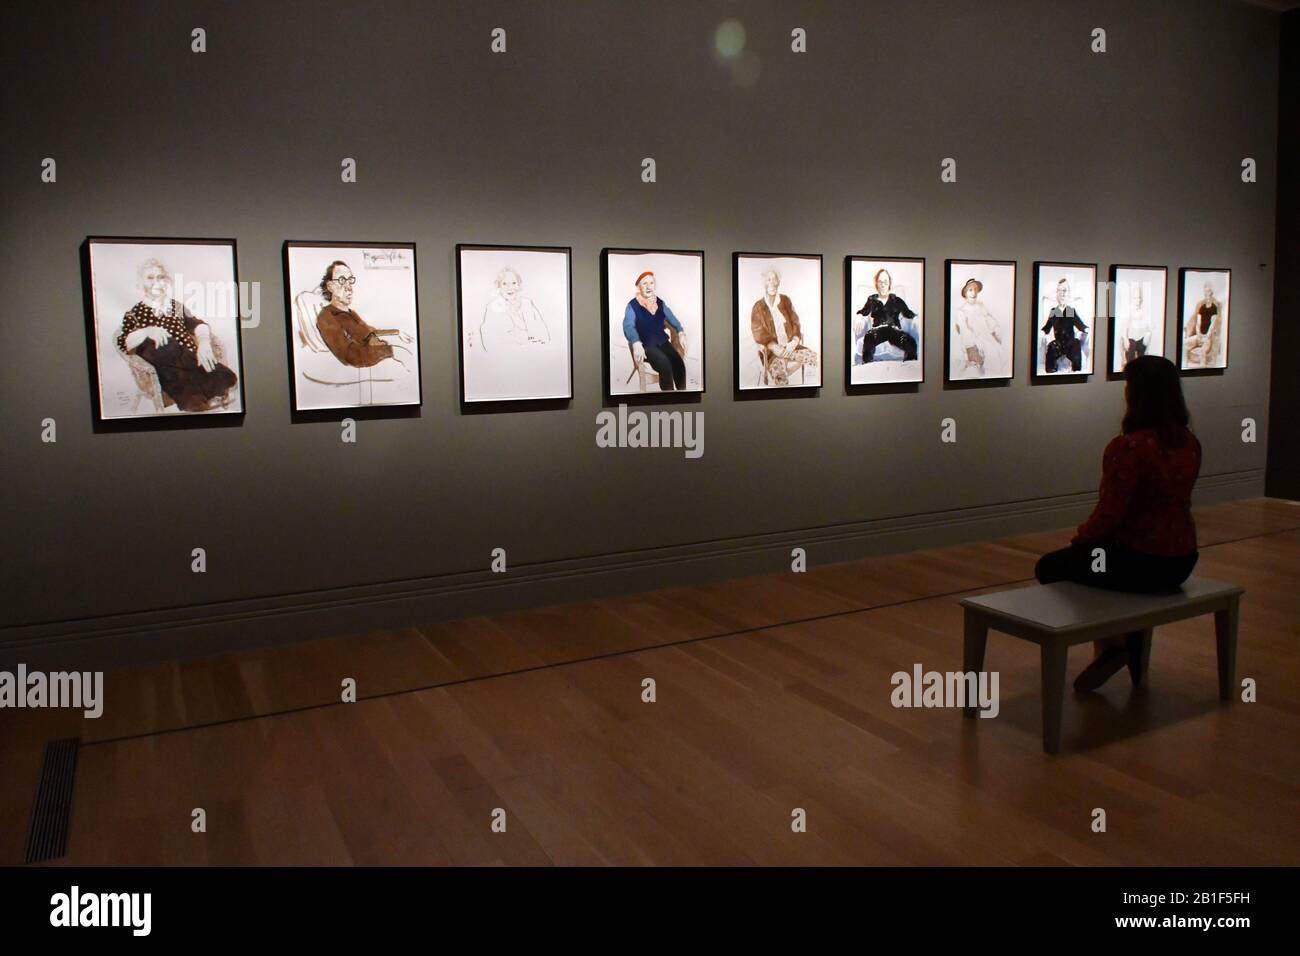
column 773, row 694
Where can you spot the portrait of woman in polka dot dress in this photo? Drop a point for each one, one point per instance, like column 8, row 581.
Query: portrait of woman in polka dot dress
column 163, row 332
column 175, row 348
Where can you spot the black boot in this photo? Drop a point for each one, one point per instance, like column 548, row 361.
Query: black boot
column 1139, row 655
column 1105, row 666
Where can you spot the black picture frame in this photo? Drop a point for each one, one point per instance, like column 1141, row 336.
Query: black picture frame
column 657, row 396
column 372, row 409
column 1182, row 318
column 102, row 422
column 1112, row 277
column 514, row 402
column 999, row 381
column 911, row 384
column 1071, row 376
column 736, row 324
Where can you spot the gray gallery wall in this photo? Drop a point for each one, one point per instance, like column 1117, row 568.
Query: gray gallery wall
column 1283, row 471
column 1130, row 156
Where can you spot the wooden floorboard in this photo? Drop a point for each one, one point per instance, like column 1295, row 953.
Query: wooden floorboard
column 773, row 694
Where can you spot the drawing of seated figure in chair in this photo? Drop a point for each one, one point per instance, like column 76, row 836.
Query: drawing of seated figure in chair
column 174, row 357
column 1062, row 322
column 776, row 330
column 378, row 355
column 882, row 323
column 655, row 337
column 511, row 318
column 1204, row 332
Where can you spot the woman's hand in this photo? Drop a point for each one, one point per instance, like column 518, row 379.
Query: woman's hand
column 159, row 335
column 204, row 354
column 681, row 340
column 638, row 353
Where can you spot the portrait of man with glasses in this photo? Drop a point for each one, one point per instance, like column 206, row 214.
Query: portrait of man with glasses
column 352, row 341
column 354, row 324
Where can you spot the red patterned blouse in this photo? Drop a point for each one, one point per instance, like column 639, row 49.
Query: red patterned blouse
column 1146, row 495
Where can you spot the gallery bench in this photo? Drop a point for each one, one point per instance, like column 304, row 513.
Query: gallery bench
column 1055, row 616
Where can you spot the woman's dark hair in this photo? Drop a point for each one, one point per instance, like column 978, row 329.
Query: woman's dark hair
column 1155, row 400
column 329, row 277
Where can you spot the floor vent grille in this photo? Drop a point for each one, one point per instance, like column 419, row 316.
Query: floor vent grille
column 52, row 812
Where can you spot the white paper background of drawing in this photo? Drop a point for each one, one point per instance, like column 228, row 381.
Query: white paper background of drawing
column 520, row 368
column 908, row 285
column 1083, row 298
column 679, row 281
column 1193, row 292
column 115, row 289
column 384, row 298
column 1152, row 282
column 801, row 280
column 998, row 296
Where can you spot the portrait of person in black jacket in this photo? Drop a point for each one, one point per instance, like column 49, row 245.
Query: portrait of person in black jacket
column 882, row 310
column 1062, row 322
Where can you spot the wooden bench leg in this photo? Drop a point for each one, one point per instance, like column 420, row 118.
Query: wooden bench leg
column 1053, row 657
column 1139, row 655
column 975, row 641
column 1225, row 638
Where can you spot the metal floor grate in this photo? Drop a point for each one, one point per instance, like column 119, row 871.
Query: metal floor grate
column 47, row 839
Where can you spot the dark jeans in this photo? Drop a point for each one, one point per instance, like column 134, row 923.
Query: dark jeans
column 1126, row 569
column 665, row 360
column 891, row 334
column 1070, row 348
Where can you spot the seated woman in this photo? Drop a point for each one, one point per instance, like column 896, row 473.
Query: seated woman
column 178, row 345
column 979, row 336
column 643, row 327
column 511, row 317
column 778, row 333
column 1141, row 536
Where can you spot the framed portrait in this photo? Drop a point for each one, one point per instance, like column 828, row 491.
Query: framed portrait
column 515, row 320
column 778, row 320
column 1137, row 321
column 1065, row 317
column 353, row 321
column 164, row 320
column 653, row 302
column 1204, row 297
column 980, row 321
column 884, row 304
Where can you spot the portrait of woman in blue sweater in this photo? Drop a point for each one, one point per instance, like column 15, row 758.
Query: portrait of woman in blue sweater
column 645, row 323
